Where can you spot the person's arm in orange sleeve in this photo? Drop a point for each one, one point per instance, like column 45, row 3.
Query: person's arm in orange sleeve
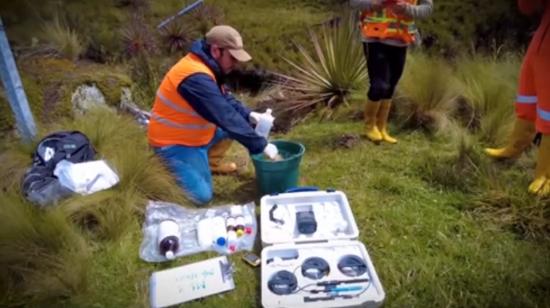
column 530, row 7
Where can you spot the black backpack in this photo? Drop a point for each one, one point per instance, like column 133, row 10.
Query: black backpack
column 73, row 146
column 40, row 185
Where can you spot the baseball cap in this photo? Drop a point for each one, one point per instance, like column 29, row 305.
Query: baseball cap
column 229, row 38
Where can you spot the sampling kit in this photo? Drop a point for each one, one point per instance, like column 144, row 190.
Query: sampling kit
column 311, row 256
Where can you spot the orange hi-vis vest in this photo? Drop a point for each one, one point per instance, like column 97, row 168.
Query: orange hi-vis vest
column 385, row 24
column 173, row 120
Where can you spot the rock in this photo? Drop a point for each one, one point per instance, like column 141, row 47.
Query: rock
column 86, row 97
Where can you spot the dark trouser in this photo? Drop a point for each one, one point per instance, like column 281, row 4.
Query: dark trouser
column 385, row 65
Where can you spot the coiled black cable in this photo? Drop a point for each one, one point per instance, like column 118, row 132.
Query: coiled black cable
column 315, row 268
column 352, row 266
column 282, row 283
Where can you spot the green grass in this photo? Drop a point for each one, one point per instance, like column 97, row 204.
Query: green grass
column 62, row 39
column 427, row 93
column 432, row 244
column 489, row 89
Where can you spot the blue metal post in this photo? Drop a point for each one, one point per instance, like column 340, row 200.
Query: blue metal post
column 14, row 89
column 183, row 11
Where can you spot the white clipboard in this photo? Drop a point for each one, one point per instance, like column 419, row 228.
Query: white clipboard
column 191, row 281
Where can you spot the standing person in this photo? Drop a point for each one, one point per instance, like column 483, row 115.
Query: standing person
column 533, row 100
column 388, row 28
column 194, row 117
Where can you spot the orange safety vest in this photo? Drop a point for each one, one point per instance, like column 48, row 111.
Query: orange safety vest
column 173, row 120
column 385, row 24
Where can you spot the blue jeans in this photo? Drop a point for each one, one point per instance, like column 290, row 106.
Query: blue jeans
column 190, row 166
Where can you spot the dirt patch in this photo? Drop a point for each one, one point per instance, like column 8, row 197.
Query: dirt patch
column 346, row 141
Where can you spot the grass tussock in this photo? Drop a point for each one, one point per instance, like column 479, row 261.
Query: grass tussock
column 502, row 198
column 42, row 255
column 460, row 167
column 427, row 93
column 518, row 211
column 62, row 39
column 137, row 37
column 123, row 145
column 489, row 91
column 14, row 163
column 177, row 36
column 495, row 191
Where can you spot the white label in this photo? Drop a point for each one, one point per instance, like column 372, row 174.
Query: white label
column 48, row 153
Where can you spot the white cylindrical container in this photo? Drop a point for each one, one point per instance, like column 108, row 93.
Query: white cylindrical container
column 168, row 238
column 264, row 124
column 204, row 232
column 236, row 210
column 219, row 232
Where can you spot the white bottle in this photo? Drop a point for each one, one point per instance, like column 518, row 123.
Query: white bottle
column 168, row 238
column 264, row 124
column 219, row 232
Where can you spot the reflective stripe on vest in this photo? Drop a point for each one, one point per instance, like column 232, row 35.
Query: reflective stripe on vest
column 174, row 106
column 526, row 99
column 179, row 125
column 385, row 24
column 173, row 119
column 543, row 114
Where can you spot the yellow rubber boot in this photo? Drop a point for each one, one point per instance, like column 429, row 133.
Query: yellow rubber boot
column 215, row 156
column 541, row 184
column 382, row 121
column 372, row 132
column 522, row 135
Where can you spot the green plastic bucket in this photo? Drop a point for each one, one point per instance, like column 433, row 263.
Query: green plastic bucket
column 278, row 176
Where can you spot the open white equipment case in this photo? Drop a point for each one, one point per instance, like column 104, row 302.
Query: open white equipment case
column 311, row 256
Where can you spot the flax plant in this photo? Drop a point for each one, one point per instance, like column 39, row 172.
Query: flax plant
column 329, row 76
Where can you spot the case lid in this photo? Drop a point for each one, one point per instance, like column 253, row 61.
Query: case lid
column 305, row 217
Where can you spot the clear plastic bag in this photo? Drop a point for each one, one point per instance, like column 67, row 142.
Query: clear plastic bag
column 200, row 229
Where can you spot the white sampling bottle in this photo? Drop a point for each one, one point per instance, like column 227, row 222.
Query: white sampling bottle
column 168, row 238
column 219, row 232
column 264, row 124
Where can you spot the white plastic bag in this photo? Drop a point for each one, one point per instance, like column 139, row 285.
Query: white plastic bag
column 87, row 177
column 198, row 228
